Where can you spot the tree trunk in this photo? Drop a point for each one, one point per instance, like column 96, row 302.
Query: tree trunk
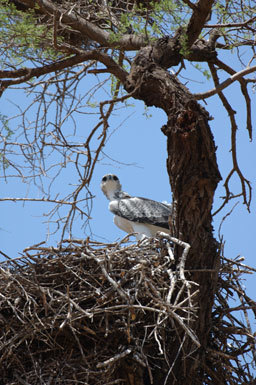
column 194, row 176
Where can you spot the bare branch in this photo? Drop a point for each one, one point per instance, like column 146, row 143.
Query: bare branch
column 24, row 74
column 115, row 358
column 186, row 247
column 244, row 182
column 221, row 86
column 231, row 25
column 63, row 202
column 243, row 84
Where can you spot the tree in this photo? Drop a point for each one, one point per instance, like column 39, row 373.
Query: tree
column 55, row 44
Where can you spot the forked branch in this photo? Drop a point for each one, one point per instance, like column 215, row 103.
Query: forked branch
column 245, row 183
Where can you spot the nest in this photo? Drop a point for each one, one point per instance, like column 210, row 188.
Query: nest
column 84, row 312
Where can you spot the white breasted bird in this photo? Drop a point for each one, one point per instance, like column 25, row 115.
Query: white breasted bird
column 135, row 214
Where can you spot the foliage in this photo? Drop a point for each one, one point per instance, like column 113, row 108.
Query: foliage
column 23, row 37
column 5, row 135
column 5, row 126
column 206, row 73
column 152, row 20
column 231, row 12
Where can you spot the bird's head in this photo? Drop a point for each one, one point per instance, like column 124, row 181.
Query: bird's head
column 110, row 185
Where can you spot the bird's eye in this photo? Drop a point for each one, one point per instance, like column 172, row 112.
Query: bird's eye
column 104, row 179
column 115, row 177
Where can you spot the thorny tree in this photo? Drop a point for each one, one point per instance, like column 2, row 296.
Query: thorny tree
column 50, row 46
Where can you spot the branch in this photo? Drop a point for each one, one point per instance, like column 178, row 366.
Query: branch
column 61, row 202
column 225, row 84
column 39, row 200
column 186, row 247
column 232, row 25
column 244, row 90
column 117, row 357
column 199, row 16
column 24, row 74
column 99, row 35
column 234, row 128
column 191, row 5
column 25, row 3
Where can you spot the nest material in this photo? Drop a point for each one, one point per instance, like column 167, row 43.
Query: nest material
column 74, row 313
column 83, row 312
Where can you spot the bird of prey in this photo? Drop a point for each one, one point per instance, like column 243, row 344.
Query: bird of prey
column 135, row 214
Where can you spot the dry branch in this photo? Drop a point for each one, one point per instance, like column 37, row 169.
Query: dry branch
column 246, row 189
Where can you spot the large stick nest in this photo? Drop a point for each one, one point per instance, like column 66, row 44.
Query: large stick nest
column 85, row 312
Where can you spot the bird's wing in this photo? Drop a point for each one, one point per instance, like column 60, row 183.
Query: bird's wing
column 142, row 210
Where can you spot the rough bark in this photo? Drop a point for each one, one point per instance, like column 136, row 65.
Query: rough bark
column 201, row 12
column 194, row 176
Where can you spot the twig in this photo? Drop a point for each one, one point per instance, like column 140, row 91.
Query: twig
column 182, row 260
column 117, row 357
column 232, row 25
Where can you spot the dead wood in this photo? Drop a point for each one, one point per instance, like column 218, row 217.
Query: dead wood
column 86, row 312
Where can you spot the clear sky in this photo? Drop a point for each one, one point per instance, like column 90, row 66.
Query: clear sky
column 136, row 152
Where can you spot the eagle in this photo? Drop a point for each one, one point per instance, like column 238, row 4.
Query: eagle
column 142, row 216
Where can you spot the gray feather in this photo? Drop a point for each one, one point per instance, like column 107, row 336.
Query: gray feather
column 142, row 210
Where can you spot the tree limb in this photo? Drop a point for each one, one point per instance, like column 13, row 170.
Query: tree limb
column 99, row 35
column 225, row 84
column 232, row 25
column 196, row 23
column 24, row 74
column 244, row 90
column 47, row 200
column 244, row 182
column 191, row 5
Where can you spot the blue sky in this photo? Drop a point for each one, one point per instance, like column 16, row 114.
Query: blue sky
column 136, row 152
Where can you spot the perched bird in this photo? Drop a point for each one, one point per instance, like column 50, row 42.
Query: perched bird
column 135, row 214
